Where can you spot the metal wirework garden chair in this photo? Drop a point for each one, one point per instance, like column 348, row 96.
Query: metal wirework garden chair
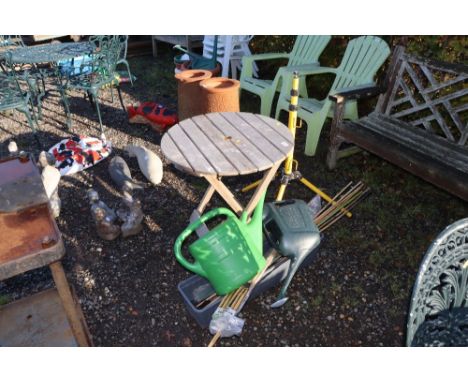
column 439, row 305
column 98, row 72
column 13, row 96
column 8, row 42
column 123, row 39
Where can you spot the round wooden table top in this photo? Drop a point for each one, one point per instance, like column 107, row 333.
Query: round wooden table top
column 227, row 144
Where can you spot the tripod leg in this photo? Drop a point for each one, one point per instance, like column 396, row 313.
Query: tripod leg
column 323, row 195
column 281, row 192
column 251, row 186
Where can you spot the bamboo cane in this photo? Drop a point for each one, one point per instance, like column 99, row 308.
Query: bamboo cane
column 351, row 203
column 342, row 194
column 336, row 196
column 335, row 215
column 342, row 202
column 240, row 302
column 327, row 209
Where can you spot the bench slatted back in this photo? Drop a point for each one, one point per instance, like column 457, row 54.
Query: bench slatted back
column 428, row 94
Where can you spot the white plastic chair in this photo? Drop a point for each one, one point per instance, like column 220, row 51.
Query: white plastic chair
column 237, row 46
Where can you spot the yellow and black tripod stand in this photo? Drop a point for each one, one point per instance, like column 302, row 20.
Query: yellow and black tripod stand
column 290, row 171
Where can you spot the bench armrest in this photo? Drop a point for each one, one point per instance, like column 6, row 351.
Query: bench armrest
column 363, row 92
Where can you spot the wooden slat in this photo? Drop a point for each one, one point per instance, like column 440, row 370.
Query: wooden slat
column 218, row 160
column 277, row 126
column 226, row 146
column 437, row 101
column 173, row 154
column 259, row 160
column 424, row 166
column 255, row 136
column 430, row 103
column 437, row 65
column 400, row 101
column 442, row 85
column 190, row 151
column 432, row 140
column 272, row 130
column 410, row 136
column 37, row 320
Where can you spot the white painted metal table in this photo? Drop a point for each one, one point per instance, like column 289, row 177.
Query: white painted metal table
column 228, row 144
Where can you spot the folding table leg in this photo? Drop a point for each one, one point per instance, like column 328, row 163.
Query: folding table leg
column 206, row 199
column 202, row 230
column 225, row 193
column 264, row 183
column 77, row 326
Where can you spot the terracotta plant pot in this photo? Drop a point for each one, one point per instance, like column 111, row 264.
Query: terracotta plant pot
column 216, row 71
column 219, row 94
column 189, row 92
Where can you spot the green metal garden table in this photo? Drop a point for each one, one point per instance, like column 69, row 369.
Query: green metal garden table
column 50, row 53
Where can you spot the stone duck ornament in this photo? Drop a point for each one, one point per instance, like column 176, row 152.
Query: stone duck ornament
column 131, row 214
column 150, row 164
column 103, row 216
column 121, row 175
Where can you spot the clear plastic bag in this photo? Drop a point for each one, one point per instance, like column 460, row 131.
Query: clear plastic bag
column 224, row 320
column 315, row 205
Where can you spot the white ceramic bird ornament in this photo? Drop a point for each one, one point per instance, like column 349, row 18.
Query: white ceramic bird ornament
column 150, row 164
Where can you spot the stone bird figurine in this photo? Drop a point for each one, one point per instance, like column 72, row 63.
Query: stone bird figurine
column 121, row 175
column 103, row 216
column 150, row 164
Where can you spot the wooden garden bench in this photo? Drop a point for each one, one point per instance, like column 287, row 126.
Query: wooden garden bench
column 419, row 123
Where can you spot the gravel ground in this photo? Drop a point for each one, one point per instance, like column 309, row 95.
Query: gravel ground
column 355, row 294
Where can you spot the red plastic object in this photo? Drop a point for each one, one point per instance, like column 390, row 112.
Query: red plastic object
column 154, row 114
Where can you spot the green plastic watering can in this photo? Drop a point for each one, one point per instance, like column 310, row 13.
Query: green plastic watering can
column 230, row 254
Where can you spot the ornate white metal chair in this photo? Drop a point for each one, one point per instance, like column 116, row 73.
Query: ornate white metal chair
column 439, row 306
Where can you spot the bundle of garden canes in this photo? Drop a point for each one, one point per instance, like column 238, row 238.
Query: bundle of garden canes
column 224, row 322
column 346, row 199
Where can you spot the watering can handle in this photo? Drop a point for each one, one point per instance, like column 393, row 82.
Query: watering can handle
column 195, row 266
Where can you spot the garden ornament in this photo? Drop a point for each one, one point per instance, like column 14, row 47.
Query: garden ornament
column 121, row 175
column 103, row 216
column 149, row 163
column 50, row 178
column 132, row 216
column 154, row 114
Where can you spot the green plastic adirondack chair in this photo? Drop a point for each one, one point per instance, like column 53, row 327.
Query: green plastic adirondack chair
column 362, row 58
column 305, row 54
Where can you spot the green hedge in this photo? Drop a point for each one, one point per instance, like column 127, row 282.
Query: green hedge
column 445, row 48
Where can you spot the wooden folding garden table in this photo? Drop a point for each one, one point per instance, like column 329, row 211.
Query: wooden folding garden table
column 30, row 239
column 228, row 144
